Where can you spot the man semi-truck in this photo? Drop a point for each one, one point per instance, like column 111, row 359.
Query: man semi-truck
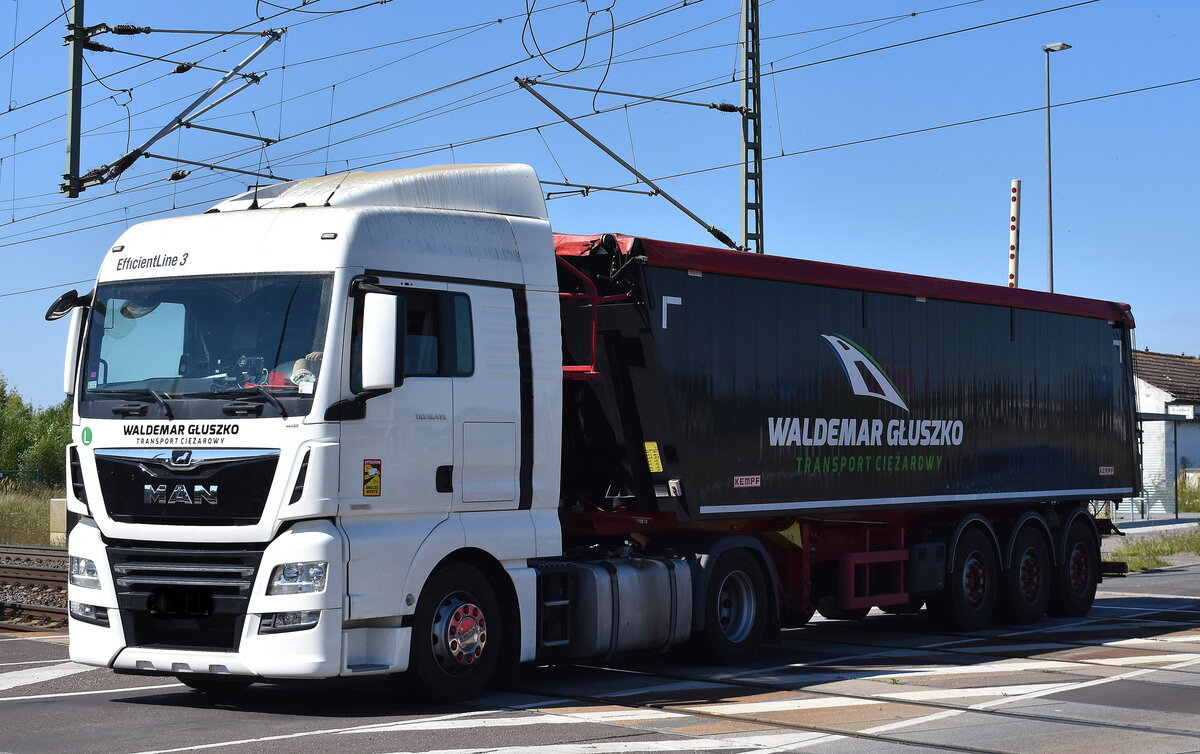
column 385, row 423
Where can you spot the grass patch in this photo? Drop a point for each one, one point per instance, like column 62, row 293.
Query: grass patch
column 25, row 515
column 1148, row 552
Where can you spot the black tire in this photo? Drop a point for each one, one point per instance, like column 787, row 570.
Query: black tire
column 1075, row 578
column 1025, row 586
column 968, row 601
column 735, row 609
column 457, row 635
column 828, row 608
column 215, row 685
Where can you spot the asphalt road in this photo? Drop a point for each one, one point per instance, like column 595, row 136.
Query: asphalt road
column 1125, row 679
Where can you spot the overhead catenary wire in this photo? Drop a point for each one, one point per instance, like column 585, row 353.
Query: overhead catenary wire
column 460, row 142
column 624, row 188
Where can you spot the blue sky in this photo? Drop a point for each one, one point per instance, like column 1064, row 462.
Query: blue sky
column 935, row 203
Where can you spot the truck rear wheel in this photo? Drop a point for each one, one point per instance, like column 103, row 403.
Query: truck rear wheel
column 1025, row 586
column 969, row 598
column 1075, row 578
column 456, row 635
column 735, row 606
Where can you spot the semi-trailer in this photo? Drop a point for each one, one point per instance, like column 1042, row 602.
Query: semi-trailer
column 390, row 423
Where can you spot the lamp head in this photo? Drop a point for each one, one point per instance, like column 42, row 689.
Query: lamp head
column 1055, row 47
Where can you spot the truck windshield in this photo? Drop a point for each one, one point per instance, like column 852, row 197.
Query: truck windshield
column 194, row 347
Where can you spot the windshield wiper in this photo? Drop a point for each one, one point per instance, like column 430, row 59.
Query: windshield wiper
column 256, row 390
column 159, row 398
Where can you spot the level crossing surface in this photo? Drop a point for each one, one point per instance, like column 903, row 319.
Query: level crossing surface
column 1126, row 678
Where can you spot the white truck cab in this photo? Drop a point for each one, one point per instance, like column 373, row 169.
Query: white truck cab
column 293, row 409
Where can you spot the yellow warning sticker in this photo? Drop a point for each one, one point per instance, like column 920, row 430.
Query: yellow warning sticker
column 653, row 458
column 372, row 477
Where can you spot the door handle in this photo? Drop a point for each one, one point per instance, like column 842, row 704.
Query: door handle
column 444, row 479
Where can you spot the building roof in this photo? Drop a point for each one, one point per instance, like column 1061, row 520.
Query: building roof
column 1178, row 375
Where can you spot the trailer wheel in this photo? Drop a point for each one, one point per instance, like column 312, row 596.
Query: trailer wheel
column 1075, row 578
column 969, row 598
column 735, row 608
column 456, row 635
column 1025, row 586
column 215, row 685
column 828, row 608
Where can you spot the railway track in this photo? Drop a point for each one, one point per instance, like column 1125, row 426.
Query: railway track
column 33, row 588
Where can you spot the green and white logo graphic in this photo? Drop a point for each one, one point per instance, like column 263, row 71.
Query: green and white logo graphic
column 864, row 374
column 86, row 436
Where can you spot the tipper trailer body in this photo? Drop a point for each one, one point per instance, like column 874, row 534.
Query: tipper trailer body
column 388, row 422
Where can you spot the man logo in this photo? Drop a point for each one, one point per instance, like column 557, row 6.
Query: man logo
column 152, row 494
column 865, row 375
column 181, row 458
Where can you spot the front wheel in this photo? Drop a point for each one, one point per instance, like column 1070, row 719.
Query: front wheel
column 456, row 635
column 735, row 609
column 1075, row 578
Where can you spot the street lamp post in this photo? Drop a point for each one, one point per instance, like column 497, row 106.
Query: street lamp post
column 1049, row 48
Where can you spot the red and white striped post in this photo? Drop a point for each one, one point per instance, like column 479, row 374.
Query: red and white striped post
column 1014, row 232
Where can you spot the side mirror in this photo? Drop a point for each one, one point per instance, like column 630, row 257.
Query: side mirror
column 383, row 330
column 63, row 305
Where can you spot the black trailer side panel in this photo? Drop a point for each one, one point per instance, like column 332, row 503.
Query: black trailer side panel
column 766, row 397
column 955, row 401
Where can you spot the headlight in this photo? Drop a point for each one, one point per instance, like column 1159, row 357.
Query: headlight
column 84, row 573
column 298, row 578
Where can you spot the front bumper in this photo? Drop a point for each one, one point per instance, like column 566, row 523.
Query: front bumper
column 143, row 638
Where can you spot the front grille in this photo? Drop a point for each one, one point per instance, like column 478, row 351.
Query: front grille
column 183, row 597
column 211, row 488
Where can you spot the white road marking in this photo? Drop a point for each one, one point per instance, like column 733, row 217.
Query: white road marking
column 16, row 678
column 930, row 694
column 1144, row 659
column 87, row 693
column 34, row 638
column 1188, row 639
column 28, row 662
column 306, row 734
column 782, row 705
column 1148, row 595
column 544, row 718
column 998, row 648
column 1024, row 697
column 609, row 747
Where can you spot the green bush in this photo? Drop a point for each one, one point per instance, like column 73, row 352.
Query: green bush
column 33, row 439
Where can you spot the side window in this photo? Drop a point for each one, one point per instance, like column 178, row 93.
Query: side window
column 464, row 338
column 438, row 341
column 421, row 352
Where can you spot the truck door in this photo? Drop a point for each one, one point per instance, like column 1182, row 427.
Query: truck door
column 487, row 400
column 397, row 461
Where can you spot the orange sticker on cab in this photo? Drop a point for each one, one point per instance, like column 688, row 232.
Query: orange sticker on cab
column 372, row 477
